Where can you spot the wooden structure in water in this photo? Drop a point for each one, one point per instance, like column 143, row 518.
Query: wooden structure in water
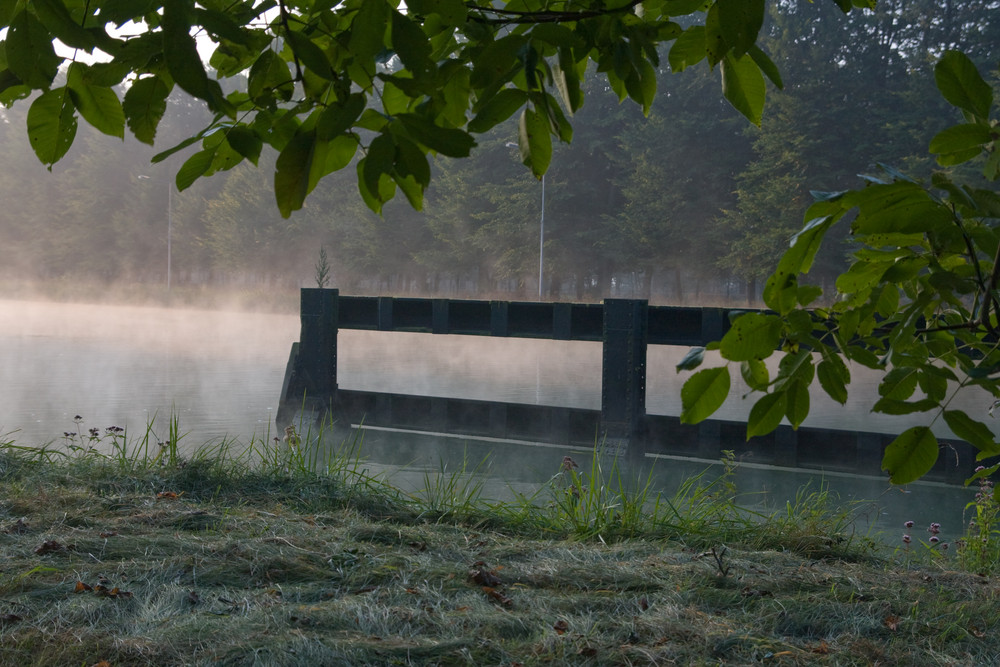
column 624, row 327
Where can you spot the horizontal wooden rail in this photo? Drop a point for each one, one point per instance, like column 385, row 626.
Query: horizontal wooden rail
column 667, row 325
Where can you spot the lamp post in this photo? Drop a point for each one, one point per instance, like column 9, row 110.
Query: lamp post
column 541, row 231
column 170, row 223
column 541, row 242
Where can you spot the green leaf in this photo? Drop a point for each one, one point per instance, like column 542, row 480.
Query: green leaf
column 376, row 164
column 367, row 34
column 492, row 66
column 535, row 141
column 766, row 66
column 688, row 49
column 52, row 125
column 973, row 432
column 292, row 172
column 740, row 22
column 310, row 55
column 245, row 141
column 703, row 394
column 144, row 105
column 755, row 374
column 338, row 118
column 743, row 86
column 412, row 162
column 180, row 52
column 57, row 19
column 194, row 168
column 911, row 455
column 752, row 336
column 160, row 157
column 888, row 300
column 809, row 293
column 497, row 109
column 961, row 138
column 833, row 377
column 341, row 151
column 766, row 414
column 29, row 50
column 410, row 43
column 716, row 47
column 447, row 141
column 782, row 291
column 692, row 359
column 960, row 83
column 98, row 105
column 270, row 77
column 566, row 76
column 898, row 384
column 797, row 402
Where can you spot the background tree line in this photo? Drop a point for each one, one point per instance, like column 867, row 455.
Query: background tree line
column 690, row 205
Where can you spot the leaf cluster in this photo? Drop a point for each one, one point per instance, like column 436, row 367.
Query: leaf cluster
column 375, row 83
column 919, row 302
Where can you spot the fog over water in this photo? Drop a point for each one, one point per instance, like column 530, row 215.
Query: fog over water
column 221, row 372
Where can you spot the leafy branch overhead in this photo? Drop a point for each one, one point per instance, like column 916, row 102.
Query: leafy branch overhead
column 374, row 83
column 920, row 302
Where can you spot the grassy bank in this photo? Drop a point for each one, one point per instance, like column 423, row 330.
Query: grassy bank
column 264, row 555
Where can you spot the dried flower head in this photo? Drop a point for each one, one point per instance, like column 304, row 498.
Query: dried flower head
column 906, row 539
column 908, row 524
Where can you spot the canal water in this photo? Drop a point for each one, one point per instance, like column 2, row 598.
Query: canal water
column 220, row 374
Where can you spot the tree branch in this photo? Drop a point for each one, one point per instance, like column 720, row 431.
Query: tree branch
column 511, row 16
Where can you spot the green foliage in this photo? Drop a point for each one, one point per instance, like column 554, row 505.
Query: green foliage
column 329, row 80
column 919, row 302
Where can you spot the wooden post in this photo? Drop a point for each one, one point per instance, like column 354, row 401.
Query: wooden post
column 317, row 359
column 623, row 377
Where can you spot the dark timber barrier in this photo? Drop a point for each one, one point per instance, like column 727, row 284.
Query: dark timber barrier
column 625, row 327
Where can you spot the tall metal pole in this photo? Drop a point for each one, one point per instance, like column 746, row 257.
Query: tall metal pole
column 170, row 224
column 541, row 242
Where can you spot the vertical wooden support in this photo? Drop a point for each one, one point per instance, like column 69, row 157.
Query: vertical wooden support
column 623, row 377
column 385, row 313
column 562, row 321
column 712, row 323
column 316, row 367
column 439, row 316
column 498, row 318
column 310, row 385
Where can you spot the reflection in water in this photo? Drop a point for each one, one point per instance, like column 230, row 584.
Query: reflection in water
column 221, row 374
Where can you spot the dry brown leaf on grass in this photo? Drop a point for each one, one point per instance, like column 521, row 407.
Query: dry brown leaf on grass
column 51, row 546
column 483, row 576
column 892, row 622
column 561, row 627
column 168, row 495
column 498, row 596
column 821, row 649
